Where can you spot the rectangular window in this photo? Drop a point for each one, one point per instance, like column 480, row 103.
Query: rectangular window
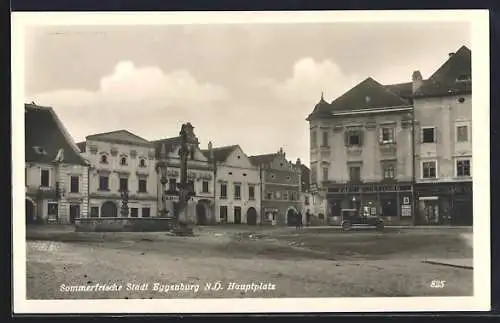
column 269, row 195
column 353, row 138
column 191, row 186
column 172, row 184
column 428, row 135
column 285, row 196
column 355, row 173
column 429, row 169
column 103, row 183
column 237, row 192
column 143, row 186
column 277, row 195
column 123, row 184
column 94, row 211
column 325, row 174
column 324, row 143
column 386, row 135
column 223, row 191
column 389, row 171
column 462, row 133
column 313, row 139
column 251, row 192
column 134, row 212
column 223, row 214
column 205, row 187
column 463, row 167
column 313, row 174
column 146, row 212
column 74, row 184
column 44, row 178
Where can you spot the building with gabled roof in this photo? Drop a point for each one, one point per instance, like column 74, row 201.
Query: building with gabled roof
column 120, row 161
column 56, row 176
column 443, row 142
column 236, row 186
column 280, row 182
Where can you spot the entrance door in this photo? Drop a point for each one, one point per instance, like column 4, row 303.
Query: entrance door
column 252, row 216
column 74, row 212
column 431, row 212
column 201, row 214
column 291, row 217
column 237, row 215
column 30, row 212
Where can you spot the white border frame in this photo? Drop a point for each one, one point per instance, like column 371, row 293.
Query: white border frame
column 479, row 20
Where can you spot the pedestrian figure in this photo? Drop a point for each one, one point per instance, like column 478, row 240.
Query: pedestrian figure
column 308, row 218
column 299, row 221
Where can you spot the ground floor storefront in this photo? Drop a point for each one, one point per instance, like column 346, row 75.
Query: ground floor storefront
column 392, row 201
column 280, row 213
column 47, row 207
column 444, row 203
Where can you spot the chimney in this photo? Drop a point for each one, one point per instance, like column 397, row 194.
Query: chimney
column 417, row 81
column 450, row 54
column 209, row 145
column 298, row 161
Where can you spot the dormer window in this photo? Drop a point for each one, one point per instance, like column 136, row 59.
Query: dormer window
column 142, row 163
column 104, row 159
column 123, row 161
column 40, row 150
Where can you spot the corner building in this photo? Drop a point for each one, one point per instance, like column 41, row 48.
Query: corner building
column 443, row 141
column 361, row 152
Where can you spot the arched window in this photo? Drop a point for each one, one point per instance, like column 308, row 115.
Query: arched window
column 142, row 162
column 104, row 159
column 123, row 161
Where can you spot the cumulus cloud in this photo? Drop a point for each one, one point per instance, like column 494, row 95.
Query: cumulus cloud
column 266, row 115
column 134, row 97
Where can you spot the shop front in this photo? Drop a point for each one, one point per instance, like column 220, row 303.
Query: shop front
column 444, row 203
column 392, row 201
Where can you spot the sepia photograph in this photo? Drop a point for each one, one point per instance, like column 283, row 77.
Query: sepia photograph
column 252, row 162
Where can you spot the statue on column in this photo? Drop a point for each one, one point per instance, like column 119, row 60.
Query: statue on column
column 185, row 190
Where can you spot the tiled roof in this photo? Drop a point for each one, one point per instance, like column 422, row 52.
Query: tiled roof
column 82, row 146
column 262, row 159
column 169, row 143
column 45, row 135
column 368, row 94
column 404, row 90
column 453, row 77
column 220, row 153
column 120, row 136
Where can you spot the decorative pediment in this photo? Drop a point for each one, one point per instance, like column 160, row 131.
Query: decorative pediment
column 371, row 124
column 205, row 177
column 103, row 171
column 141, row 174
column 123, row 173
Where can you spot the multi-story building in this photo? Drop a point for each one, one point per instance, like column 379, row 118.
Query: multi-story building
column 236, row 185
column 280, row 188
column 120, row 162
column 443, row 142
column 200, row 207
column 56, row 176
column 361, row 153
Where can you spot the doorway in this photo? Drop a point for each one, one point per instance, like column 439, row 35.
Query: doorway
column 109, row 210
column 201, row 214
column 30, row 212
column 237, row 215
column 252, row 216
column 74, row 212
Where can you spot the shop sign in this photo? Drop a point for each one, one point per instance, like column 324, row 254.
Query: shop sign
column 405, row 210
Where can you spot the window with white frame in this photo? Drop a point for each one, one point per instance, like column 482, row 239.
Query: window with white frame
column 325, row 174
column 389, row 170
column 428, row 135
column 463, row 167
column 462, row 133
column 429, row 169
column 386, row 135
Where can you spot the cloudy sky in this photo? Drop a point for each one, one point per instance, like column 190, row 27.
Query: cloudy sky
column 252, row 85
